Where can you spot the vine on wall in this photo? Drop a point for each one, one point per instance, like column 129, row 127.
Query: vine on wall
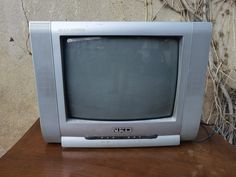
column 220, row 99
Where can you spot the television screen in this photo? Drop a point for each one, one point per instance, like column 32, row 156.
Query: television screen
column 119, row 77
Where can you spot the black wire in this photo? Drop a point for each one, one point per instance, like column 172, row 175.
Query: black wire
column 203, row 123
column 209, row 134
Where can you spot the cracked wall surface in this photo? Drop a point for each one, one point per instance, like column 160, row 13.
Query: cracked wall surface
column 18, row 102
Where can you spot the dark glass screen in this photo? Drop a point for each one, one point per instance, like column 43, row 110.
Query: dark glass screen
column 120, row 78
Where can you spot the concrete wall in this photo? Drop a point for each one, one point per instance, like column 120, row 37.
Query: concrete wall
column 18, row 102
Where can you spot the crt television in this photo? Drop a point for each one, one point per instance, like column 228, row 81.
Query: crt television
column 120, row 84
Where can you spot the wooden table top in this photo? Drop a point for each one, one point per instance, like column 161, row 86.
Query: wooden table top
column 31, row 156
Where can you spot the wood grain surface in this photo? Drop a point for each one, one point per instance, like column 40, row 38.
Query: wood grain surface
column 31, row 156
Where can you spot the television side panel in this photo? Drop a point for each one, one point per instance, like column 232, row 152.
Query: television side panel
column 41, row 45
column 201, row 38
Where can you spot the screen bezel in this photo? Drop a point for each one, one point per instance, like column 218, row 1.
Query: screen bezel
column 80, row 127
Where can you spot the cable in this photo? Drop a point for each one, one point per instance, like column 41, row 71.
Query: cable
column 209, row 134
column 203, row 123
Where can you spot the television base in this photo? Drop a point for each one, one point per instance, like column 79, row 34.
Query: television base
column 82, row 142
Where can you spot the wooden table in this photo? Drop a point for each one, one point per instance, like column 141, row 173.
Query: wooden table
column 31, row 156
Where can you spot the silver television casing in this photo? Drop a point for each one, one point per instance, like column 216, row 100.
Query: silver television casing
column 182, row 125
